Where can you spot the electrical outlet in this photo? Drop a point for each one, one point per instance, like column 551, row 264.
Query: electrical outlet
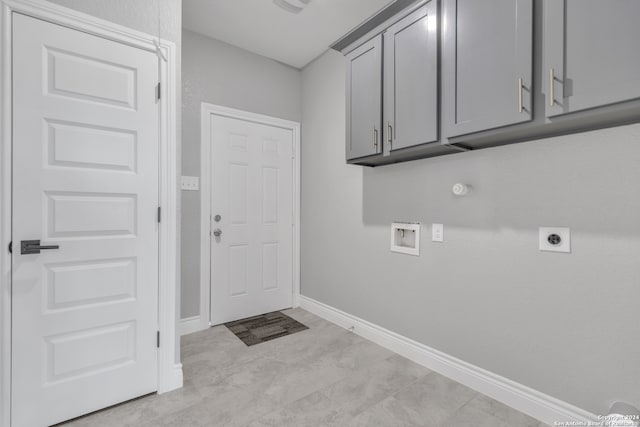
column 190, row 183
column 555, row 239
column 437, row 232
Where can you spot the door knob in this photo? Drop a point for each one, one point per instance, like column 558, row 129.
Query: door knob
column 28, row 247
column 217, row 232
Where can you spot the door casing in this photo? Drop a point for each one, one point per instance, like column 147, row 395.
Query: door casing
column 205, row 199
column 169, row 367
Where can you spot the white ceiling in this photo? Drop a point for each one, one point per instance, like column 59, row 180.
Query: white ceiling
column 264, row 28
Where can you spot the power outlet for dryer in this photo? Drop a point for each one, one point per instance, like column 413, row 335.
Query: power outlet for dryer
column 555, row 239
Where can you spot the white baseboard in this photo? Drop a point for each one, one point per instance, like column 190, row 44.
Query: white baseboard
column 527, row 400
column 189, row 325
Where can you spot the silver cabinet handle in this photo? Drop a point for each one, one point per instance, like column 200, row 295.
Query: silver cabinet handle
column 389, row 133
column 375, row 138
column 552, row 94
column 217, row 232
column 520, row 107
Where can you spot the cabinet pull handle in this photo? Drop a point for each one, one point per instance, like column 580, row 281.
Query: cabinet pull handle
column 375, row 138
column 389, row 133
column 520, row 107
column 552, row 94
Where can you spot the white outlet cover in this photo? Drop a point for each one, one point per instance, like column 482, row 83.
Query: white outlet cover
column 565, row 239
column 437, row 232
column 190, row 183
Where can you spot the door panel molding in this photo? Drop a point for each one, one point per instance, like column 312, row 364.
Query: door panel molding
column 207, row 110
column 169, row 367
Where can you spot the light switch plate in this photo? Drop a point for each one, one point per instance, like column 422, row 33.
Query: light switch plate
column 190, row 183
column 555, row 239
column 437, row 232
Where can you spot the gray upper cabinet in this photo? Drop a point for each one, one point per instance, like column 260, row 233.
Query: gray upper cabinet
column 487, row 64
column 591, row 54
column 393, row 90
column 364, row 99
column 410, row 112
column 432, row 77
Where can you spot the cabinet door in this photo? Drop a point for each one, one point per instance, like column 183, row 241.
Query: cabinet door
column 364, row 99
column 487, row 55
column 592, row 53
column 411, row 80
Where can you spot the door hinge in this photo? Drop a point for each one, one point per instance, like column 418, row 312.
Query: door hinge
column 158, row 92
column 158, row 339
column 10, row 247
column 159, row 213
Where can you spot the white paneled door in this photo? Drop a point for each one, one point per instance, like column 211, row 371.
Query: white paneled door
column 85, row 188
column 252, row 218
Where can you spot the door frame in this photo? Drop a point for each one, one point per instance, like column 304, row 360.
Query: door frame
column 207, row 110
column 169, row 366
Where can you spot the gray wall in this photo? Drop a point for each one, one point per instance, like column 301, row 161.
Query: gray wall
column 218, row 73
column 148, row 16
column 156, row 17
column 564, row 324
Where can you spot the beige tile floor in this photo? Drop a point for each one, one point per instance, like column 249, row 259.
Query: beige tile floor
column 324, row 376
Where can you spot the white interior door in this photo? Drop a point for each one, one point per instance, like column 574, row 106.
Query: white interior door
column 252, row 242
column 85, row 178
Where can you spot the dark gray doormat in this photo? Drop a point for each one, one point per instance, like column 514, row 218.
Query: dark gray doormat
column 265, row 327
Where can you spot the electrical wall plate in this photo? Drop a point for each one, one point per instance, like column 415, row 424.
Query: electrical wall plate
column 405, row 238
column 190, row 183
column 437, row 233
column 555, row 239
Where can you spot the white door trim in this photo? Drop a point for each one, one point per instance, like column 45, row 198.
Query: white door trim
column 205, row 198
column 169, row 369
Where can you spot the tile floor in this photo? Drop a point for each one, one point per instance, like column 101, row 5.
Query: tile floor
column 324, row 376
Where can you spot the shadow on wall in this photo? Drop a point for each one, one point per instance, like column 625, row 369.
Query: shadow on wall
column 588, row 181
